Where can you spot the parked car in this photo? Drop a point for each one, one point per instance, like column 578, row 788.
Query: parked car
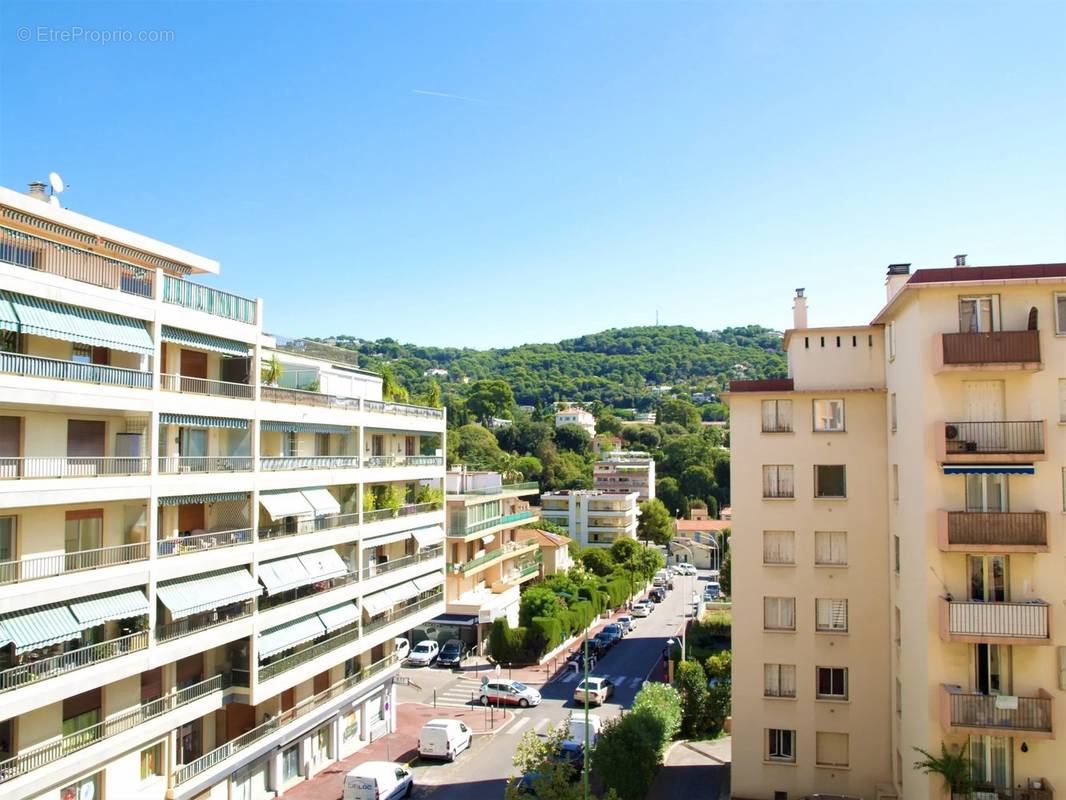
column 712, row 591
column 378, row 780
column 597, row 689
column 508, row 693
column 685, row 569
column 452, row 654
column 424, row 654
column 604, row 640
column 576, row 662
column 628, row 623
column 657, row 595
column 615, row 630
column 444, row 738
column 572, row 755
column 658, row 580
column 401, row 648
column 642, row 608
column 576, row 729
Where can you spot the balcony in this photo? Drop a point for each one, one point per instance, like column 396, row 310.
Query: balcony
column 305, row 525
column 164, row 632
column 267, row 602
column 50, row 667
column 404, row 409
column 43, row 755
column 31, row 568
column 403, row 461
column 72, row 466
column 203, row 541
column 302, row 397
column 509, row 549
column 993, row 532
column 990, row 351
column 402, row 511
column 995, row 623
column 210, row 301
column 179, row 465
column 55, row 369
column 309, row 653
column 283, row 463
column 981, row 714
column 522, row 488
column 400, row 613
column 189, row 385
column 991, row 442
column 1034, row 789
column 428, row 554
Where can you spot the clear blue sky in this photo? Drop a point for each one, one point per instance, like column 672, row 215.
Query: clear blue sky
column 609, row 159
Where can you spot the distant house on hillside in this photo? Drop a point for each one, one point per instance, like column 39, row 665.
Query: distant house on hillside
column 436, row 372
column 576, row 416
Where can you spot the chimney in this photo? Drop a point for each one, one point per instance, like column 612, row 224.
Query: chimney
column 960, row 260
column 799, row 310
column 37, row 190
column 898, row 275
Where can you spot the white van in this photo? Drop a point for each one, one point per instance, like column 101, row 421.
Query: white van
column 443, row 738
column 378, row 780
column 576, row 731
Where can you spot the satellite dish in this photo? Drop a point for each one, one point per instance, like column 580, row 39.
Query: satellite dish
column 56, row 182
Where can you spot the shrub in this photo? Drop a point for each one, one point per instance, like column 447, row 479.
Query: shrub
column 581, row 615
column 626, row 757
column 543, row 634
column 537, row 601
column 692, row 686
column 507, row 645
column 661, row 705
column 719, row 670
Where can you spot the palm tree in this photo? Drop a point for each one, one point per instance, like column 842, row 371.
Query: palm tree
column 271, row 371
column 954, row 767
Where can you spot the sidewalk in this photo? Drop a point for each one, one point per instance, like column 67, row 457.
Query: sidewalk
column 400, row 745
column 695, row 769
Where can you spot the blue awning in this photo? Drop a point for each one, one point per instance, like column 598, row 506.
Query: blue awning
column 83, row 325
column 203, row 341
column 989, row 469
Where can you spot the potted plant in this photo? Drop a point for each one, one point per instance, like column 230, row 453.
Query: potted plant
column 271, row 371
column 954, row 766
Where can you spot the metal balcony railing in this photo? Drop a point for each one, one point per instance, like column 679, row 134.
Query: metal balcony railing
column 174, row 465
column 309, row 653
column 403, row 408
column 280, row 463
column 402, row 511
column 528, row 486
column 998, row 528
column 401, row 612
column 268, row 601
column 55, row 369
column 30, row 568
column 279, row 530
column 428, row 554
column 189, row 385
column 164, row 632
column 202, row 541
column 210, row 301
column 1024, row 714
column 500, row 552
column 302, row 397
column 13, row 677
column 998, row 620
column 71, row 466
column 996, row 438
column 403, row 461
column 993, row 347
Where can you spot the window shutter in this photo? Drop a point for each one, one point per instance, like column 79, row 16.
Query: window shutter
column 788, row 680
column 784, row 414
column 831, row 749
column 768, row 416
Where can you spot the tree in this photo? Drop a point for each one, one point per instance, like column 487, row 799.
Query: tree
column 725, row 575
column 697, row 481
column 489, row 398
column 530, row 467
column 626, row 758
column 391, row 389
column 432, row 397
column 681, row 412
column 719, row 670
column 537, row 601
column 573, row 438
column 609, row 423
column 691, row 683
column 624, row 551
column 660, row 702
column 597, row 561
column 271, row 371
column 655, row 523
column 685, row 451
column 954, row 767
column 668, row 491
column 477, row 447
column 649, row 562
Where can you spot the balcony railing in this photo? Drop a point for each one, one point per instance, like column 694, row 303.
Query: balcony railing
column 972, row 620
column 268, row 601
column 210, row 301
column 993, row 347
column 164, row 632
column 994, row 438
column 173, row 465
column 403, row 461
column 528, row 486
column 280, row 530
column 37, row 757
column 400, row 613
column 399, row 563
column 55, row 369
column 280, row 463
column 518, row 516
column 33, row 252
column 500, row 552
column 186, row 772
column 13, row 677
column 1034, row 789
column 31, row 568
column 285, row 663
column 403, row 408
column 302, row 397
column 402, row 511
column 1025, row 530
column 71, row 466
column 189, row 385
column 997, row 712
column 202, row 541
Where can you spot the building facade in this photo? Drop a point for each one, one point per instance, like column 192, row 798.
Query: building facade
column 627, row 471
column 590, row 517
column 898, row 543
column 205, row 554
column 576, row 416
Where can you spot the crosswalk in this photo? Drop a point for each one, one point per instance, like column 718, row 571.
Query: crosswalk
column 456, row 696
column 619, row 681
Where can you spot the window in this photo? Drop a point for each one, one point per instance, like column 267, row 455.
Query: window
column 779, row 680
column 778, row 547
column 779, row 613
column 152, row 761
column 890, row 336
column 892, row 412
column 780, row 745
column 831, row 615
column 777, row 481
column 7, row 539
column 978, row 314
column 899, row 697
column 9, row 342
column 895, row 553
column 1062, row 399
column 832, row 683
column 290, row 763
column 86, row 787
column 895, row 483
column 899, row 626
column 831, row 749
column 829, row 480
column 831, row 547
column 84, row 530
column 1060, row 314
column 351, row 725
column 81, row 354
column 776, row 416
column 987, row 493
column 828, row 415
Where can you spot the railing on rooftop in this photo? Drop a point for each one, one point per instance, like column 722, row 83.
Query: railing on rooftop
column 203, row 541
column 13, row 677
column 528, row 486
column 32, row 567
column 381, row 407
column 303, row 397
column 189, row 385
column 320, row 350
column 56, row 369
column 210, row 301
column 71, row 466
column 203, row 620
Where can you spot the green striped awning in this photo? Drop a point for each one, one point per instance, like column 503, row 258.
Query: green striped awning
column 284, row 637
column 283, row 574
column 203, row 422
column 9, row 320
column 302, row 427
column 339, row 617
column 186, row 596
column 39, row 627
column 203, row 341
column 100, row 608
column 210, row 497
column 75, row 324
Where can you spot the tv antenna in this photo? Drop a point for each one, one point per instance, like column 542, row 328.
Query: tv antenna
column 58, row 188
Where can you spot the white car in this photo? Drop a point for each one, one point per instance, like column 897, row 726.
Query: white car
column 642, row 609
column 424, row 654
column 401, row 647
column 628, row 623
column 686, row 569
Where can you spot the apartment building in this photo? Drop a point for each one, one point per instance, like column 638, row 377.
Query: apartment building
column 898, row 543
column 202, row 572
column 490, row 555
column 576, row 416
column 591, row 517
column 628, row 471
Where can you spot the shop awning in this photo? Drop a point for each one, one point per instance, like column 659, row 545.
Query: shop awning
column 427, row 537
column 378, row 541
column 285, row 504
column 322, row 501
column 39, row 627
column 302, row 427
column 283, row 574
column 377, row 603
column 402, row 592
column 75, row 324
column 425, row 583
column 989, row 469
column 321, row 565
column 210, row 497
column 100, row 608
column 185, row 596
column 284, row 637
column 203, row 341
column 9, row 320
column 339, row 617
column 203, row 422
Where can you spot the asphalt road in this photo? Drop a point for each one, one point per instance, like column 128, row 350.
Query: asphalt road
column 482, row 772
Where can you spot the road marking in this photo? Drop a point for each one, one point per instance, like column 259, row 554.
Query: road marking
column 540, row 726
column 635, row 682
column 518, row 726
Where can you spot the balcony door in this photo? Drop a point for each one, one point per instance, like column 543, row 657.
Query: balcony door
column 984, row 401
column 192, row 447
column 992, row 669
column 987, row 493
column 991, row 759
column 978, row 314
column 989, row 581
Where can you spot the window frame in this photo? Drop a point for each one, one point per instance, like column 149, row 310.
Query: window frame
column 778, row 495
column 819, row 628
column 158, row 767
column 1060, row 318
column 790, row 537
column 778, row 670
column 775, row 745
column 844, row 488
column 765, row 608
column 893, row 413
column 778, row 426
column 833, row 696
column 832, row 549
column 815, row 416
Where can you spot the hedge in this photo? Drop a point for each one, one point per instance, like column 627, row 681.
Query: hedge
column 543, row 634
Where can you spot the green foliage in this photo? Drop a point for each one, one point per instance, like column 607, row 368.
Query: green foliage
column 680, row 412
column 698, row 481
column 544, row 633
column 624, row 551
column 725, row 574
column 432, row 397
column 537, row 601
column 719, row 670
column 955, row 767
column 655, row 523
column 668, row 492
column 391, row 496
column 688, row 450
column 649, row 562
column 429, row 494
column 533, row 753
column 508, row 645
column 597, row 561
column 627, row 755
column 369, row 499
column 391, row 388
column 712, row 507
column 271, row 371
column 573, row 438
column 609, row 423
column 476, row 447
column 714, row 412
column 691, row 682
column 530, row 468
column 661, row 702
column 489, row 398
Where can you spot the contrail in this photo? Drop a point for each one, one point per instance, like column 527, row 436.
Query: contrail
column 448, row 96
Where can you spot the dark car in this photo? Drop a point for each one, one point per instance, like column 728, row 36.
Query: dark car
column 615, row 630
column 571, row 755
column 576, row 662
column 605, row 640
column 452, row 654
column 657, row 595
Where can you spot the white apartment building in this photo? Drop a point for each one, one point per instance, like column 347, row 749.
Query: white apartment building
column 576, row 416
column 201, row 576
column 592, row 517
column 626, row 470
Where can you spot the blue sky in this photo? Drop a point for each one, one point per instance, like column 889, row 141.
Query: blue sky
column 608, row 160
